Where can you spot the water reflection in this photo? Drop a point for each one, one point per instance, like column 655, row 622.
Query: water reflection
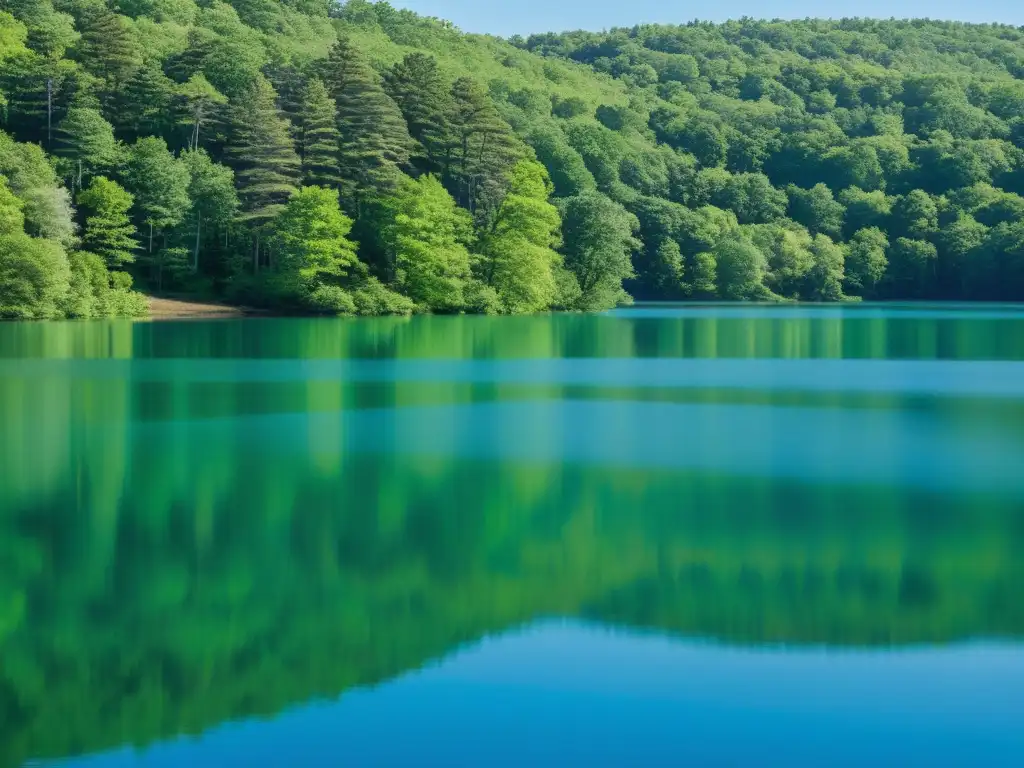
column 205, row 522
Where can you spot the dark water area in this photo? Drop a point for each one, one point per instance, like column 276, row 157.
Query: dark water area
column 660, row 536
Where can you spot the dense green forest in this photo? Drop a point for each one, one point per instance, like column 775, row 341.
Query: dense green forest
column 315, row 156
column 149, row 589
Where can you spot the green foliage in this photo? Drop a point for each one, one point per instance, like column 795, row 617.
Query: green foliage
column 310, row 246
column 741, row 268
column 262, row 154
column 34, row 277
column 318, row 137
column 518, row 259
column 85, row 144
column 598, row 236
column 108, row 232
column 776, row 134
column 423, row 234
column 375, row 142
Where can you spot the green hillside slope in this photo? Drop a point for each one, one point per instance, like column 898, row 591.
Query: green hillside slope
column 352, row 157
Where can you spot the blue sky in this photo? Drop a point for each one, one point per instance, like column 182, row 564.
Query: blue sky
column 509, row 17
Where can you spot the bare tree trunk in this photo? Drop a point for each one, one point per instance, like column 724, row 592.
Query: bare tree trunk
column 199, row 227
column 151, row 237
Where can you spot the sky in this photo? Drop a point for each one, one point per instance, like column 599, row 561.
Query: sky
column 510, row 17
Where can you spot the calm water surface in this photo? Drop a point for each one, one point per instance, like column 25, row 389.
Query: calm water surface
column 662, row 536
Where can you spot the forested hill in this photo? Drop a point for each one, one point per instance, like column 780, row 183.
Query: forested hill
column 355, row 158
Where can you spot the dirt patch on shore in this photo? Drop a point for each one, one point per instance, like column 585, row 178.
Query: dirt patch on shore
column 181, row 309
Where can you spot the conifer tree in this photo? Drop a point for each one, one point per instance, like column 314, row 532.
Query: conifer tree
column 375, row 141
column 108, row 231
column 416, row 85
column 108, row 50
column 318, row 137
column 199, row 106
column 262, row 154
column 486, row 149
column 142, row 106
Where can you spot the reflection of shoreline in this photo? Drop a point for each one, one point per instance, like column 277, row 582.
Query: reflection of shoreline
column 573, row 692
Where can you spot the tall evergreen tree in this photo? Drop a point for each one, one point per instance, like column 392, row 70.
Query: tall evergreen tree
column 318, row 138
column 416, row 85
column 108, row 50
column 375, row 141
column 263, row 157
column 214, row 200
column 108, row 231
column 262, row 154
column 142, row 106
column 200, row 106
column 486, row 149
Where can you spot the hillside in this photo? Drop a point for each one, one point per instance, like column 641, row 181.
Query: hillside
column 353, row 158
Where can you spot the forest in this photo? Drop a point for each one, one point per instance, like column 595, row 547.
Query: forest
column 311, row 156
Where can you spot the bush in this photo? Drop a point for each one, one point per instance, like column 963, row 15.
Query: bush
column 330, row 300
column 373, row 298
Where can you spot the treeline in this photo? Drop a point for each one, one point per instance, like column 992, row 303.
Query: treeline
column 353, row 158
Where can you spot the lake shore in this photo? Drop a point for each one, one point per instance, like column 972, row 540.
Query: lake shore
column 163, row 308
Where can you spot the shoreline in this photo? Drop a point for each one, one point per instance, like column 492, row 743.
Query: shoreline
column 163, row 308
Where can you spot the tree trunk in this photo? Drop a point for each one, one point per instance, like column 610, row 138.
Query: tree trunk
column 195, row 258
column 151, row 237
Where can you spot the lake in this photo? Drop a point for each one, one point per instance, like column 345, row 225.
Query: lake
column 664, row 535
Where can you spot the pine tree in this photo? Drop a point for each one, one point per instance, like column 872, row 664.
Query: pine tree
column 262, row 154
column 108, row 231
column 107, row 50
column 486, row 149
column 416, row 85
column 375, row 141
column 318, row 137
column 199, row 106
column 263, row 157
column 143, row 104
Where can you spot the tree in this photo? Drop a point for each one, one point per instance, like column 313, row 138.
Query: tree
column 423, row 235
column 142, row 106
column 866, row 261
column 486, row 149
column 375, row 141
column 518, row 257
column 159, row 185
column 263, row 157
column 12, row 220
column 310, row 245
column 419, row 90
column 911, row 272
column 211, row 189
column 704, row 276
column 108, row 231
column 817, row 210
column 565, row 166
column 741, row 268
column 824, row 281
column 85, row 144
column 34, row 277
column 199, row 103
column 318, row 138
column 50, row 33
column 107, row 49
column 864, row 210
column 598, row 237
